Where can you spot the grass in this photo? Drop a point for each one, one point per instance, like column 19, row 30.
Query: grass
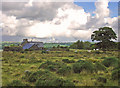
column 15, row 65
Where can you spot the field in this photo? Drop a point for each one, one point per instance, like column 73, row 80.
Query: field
column 46, row 45
column 60, row 68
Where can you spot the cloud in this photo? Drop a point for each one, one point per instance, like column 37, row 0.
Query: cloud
column 102, row 9
column 54, row 20
column 102, row 17
column 41, row 11
column 14, row 27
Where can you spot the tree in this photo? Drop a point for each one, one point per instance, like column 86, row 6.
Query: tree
column 87, row 45
column 77, row 45
column 105, row 35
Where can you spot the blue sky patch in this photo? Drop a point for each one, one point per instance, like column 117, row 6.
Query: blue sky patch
column 90, row 7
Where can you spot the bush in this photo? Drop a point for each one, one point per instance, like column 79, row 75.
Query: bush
column 52, row 66
column 61, row 82
column 110, row 61
column 44, row 51
column 99, row 66
column 22, row 56
column 64, row 70
column 35, row 75
column 68, row 61
column 102, row 79
column 116, row 74
column 80, row 66
column 45, row 80
column 16, row 83
column 27, row 50
column 45, row 64
column 48, row 80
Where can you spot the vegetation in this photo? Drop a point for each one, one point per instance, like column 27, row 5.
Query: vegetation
column 105, row 35
column 110, row 61
column 77, row 45
column 83, row 66
column 60, row 68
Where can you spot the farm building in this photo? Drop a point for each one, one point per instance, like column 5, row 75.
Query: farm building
column 31, row 45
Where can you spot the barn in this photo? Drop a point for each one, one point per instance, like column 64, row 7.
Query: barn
column 31, row 45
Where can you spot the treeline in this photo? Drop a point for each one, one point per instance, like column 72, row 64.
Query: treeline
column 88, row 45
column 81, row 45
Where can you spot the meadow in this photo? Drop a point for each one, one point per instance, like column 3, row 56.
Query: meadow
column 60, row 68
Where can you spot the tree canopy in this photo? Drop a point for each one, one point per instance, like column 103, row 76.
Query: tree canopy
column 77, row 45
column 105, row 35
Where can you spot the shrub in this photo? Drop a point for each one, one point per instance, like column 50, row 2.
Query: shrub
column 52, row 66
column 45, row 64
column 80, row 66
column 35, row 75
column 21, row 51
column 16, row 83
column 68, row 61
column 102, row 79
column 27, row 50
column 61, row 82
column 45, row 80
column 64, row 70
column 110, row 61
column 99, row 66
column 22, row 56
column 48, row 80
column 44, row 51
column 116, row 74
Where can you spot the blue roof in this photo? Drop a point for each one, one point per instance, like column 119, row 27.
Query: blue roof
column 28, row 45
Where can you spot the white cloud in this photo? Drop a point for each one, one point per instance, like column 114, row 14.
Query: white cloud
column 102, row 8
column 55, row 20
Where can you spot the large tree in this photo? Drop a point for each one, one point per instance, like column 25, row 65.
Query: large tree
column 104, row 35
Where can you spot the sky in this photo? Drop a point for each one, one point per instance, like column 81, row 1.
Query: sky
column 56, row 21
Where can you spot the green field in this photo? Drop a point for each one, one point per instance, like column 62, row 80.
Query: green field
column 46, row 45
column 60, row 68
